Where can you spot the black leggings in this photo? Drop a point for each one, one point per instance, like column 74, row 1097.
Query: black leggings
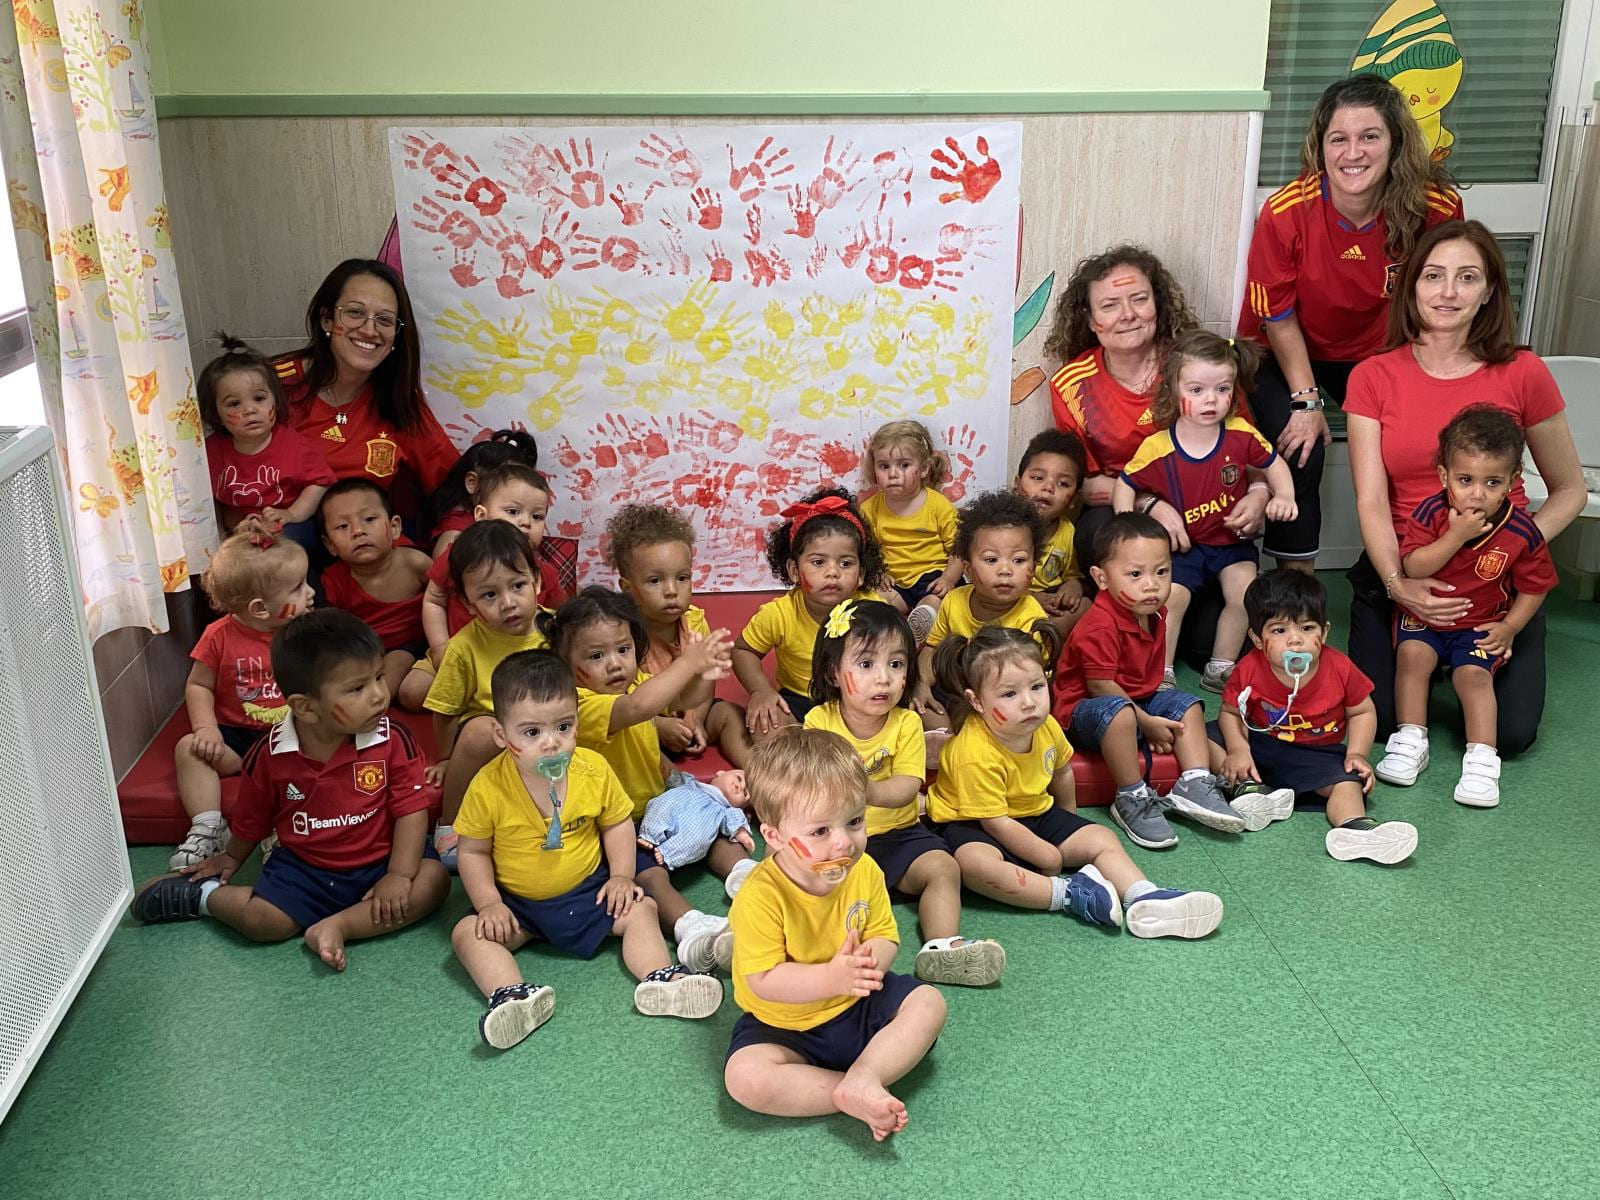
column 1518, row 685
column 1300, row 538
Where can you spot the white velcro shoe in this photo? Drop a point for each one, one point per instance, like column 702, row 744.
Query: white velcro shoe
column 1480, row 777
column 1405, row 756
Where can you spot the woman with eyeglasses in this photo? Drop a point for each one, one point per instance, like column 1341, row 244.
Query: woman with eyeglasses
column 354, row 390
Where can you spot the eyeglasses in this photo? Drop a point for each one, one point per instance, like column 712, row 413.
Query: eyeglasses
column 356, row 316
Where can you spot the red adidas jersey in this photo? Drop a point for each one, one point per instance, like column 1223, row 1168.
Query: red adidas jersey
column 1308, row 260
column 1317, row 717
column 1510, row 559
column 1110, row 644
column 396, row 622
column 1110, row 420
column 340, row 814
column 273, row 477
column 1202, row 489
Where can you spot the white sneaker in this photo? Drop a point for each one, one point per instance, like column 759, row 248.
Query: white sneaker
column 921, row 619
column 704, row 942
column 1261, row 806
column 205, row 838
column 1405, row 756
column 670, row 993
column 1389, row 843
column 1480, row 777
column 737, row 876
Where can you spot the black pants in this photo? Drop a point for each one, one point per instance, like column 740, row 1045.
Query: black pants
column 1199, row 630
column 1518, row 685
column 1269, row 406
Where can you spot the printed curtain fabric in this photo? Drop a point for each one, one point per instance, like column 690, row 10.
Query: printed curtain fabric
column 79, row 129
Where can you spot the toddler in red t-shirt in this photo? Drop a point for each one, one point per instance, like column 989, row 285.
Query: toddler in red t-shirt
column 1297, row 717
column 341, row 787
column 375, row 579
column 1472, row 537
column 260, row 466
column 260, row 581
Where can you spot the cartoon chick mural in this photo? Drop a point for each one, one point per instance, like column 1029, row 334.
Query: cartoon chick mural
column 1411, row 46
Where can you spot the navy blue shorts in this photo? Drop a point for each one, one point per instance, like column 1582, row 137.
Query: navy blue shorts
column 836, row 1043
column 1296, row 765
column 1093, row 716
column 895, row 851
column 572, row 921
column 917, row 590
column 1455, row 647
column 1198, row 565
column 645, row 860
column 1054, row 825
column 799, row 705
column 415, row 649
column 239, row 738
column 307, row 894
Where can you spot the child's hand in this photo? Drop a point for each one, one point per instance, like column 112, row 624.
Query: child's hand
column 1497, row 638
column 679, row 736
column 220, row 865
column 1464, row 526
column 275, row 518
column 853, row 971
column 744, row 838
column 391, row 897
column 940, row 587
column 922, row 702
column 495, row 923
column 1069, row 596
column 617, row 896
column 1159, row 732
column 709, row 654
column 1359, row 764
column 766, row 712
column 1282, row 508
column 208, row 745
column 434, row 775
column 1239, row 767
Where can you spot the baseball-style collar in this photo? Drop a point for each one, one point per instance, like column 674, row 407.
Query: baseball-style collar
column 286, row 738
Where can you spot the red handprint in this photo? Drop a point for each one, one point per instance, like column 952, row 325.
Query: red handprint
column 957, row 241
column 721, row 265
column 464, row 267
column 977, row 179
column 882, row 258
column 753, row 178
column 818, row 260
column 855, row 248
column 588, row 188
column 893, row 171
column 917, row 273
column 964, row 449
column 446, row 166
column 706, row 208
column 752, row 221
column 833, row 181
column 453, row 225
column 677, row 163
column 632, row 210
column 765, row 269
column 804, row 216
column 516, row 256
column 550, row 253
column 621, row 253
column 674, row 257
column 530, row 165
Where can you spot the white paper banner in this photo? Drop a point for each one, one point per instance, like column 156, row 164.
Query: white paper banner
column 714, row 319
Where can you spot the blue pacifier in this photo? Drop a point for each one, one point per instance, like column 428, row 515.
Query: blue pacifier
column 553, row 767
column 1296, row 662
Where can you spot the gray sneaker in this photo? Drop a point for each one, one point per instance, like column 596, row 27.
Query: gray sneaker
column 1215, row 681
column 1199, row 800
column 1139, row 814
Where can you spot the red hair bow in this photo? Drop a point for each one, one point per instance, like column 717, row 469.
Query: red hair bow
column 828, row 506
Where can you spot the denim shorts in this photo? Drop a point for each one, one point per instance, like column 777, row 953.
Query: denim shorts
column 1455, row 647
column 835, row 1044
column 1093, row 716
column 1198, row 565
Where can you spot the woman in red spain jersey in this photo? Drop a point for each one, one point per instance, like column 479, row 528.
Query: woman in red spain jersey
column 354, row 390
column 1453, row 331
column 1326, row 252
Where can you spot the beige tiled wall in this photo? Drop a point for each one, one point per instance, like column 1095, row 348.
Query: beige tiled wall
column 141, row 677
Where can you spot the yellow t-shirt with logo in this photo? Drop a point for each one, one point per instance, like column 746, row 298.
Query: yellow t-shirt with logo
column 956, row 617
column 979, row 777
column 896, row 749
column 461, row 687
column 774, row 922
column 497, row 808
column 634, row 752
column 914, row 544
column 1058, row 559
column 785, row 625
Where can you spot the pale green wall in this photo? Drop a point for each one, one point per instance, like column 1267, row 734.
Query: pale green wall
column 521, row 47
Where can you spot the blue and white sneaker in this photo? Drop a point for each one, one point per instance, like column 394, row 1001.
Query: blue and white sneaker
column 514, row 1012
column 1166, row 912
column 1091, row 898
column 166, row 898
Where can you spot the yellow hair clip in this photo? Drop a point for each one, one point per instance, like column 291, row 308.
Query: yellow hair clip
column 839, row 619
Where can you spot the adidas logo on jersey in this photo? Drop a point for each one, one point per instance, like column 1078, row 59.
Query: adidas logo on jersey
column 332, row 434
column 1353, row 255
column 294, row 795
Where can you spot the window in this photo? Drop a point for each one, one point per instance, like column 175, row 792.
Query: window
column 21, row 402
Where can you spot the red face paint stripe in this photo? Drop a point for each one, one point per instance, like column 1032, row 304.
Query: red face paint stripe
column 799, row 848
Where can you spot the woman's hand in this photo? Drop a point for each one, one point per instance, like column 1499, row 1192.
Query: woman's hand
column 1096, row 490
column 1245, row 519
column 1172, row 521
column 1429, row 600
column 1302, row 433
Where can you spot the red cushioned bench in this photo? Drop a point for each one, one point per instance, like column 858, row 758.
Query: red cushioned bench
column 151, row 814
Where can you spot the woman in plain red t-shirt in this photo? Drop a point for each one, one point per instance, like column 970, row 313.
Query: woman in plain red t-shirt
column 1453, row 332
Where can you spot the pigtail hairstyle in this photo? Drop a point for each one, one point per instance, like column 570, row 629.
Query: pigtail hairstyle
column 822, row 512
column 1201, row 345
column 505, row 445
column 962, row 663
column 869, row 621
column 591, row 606
column 915, row 437
column 237, row 356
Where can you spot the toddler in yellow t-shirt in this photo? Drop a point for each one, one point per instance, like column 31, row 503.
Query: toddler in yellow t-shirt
column 911, row 518
column 1052, row 468
column 827, row 1026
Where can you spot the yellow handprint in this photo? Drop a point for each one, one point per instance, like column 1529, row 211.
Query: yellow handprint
column 546, row 412
column 780, row 323
column 685, row 319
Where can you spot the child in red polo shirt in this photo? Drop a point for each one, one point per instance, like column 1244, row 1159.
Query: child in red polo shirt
column 260, row 466
column 1297, row 718
column 1108, row 688
column 1471, row 536
column 376, row 580
column 232, row 699
column 343, row 790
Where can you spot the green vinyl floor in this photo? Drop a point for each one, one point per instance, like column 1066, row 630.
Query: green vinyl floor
column 1427, row 1030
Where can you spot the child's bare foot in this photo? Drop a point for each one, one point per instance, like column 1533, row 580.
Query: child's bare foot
column 861, row 1096
column 327, row 940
